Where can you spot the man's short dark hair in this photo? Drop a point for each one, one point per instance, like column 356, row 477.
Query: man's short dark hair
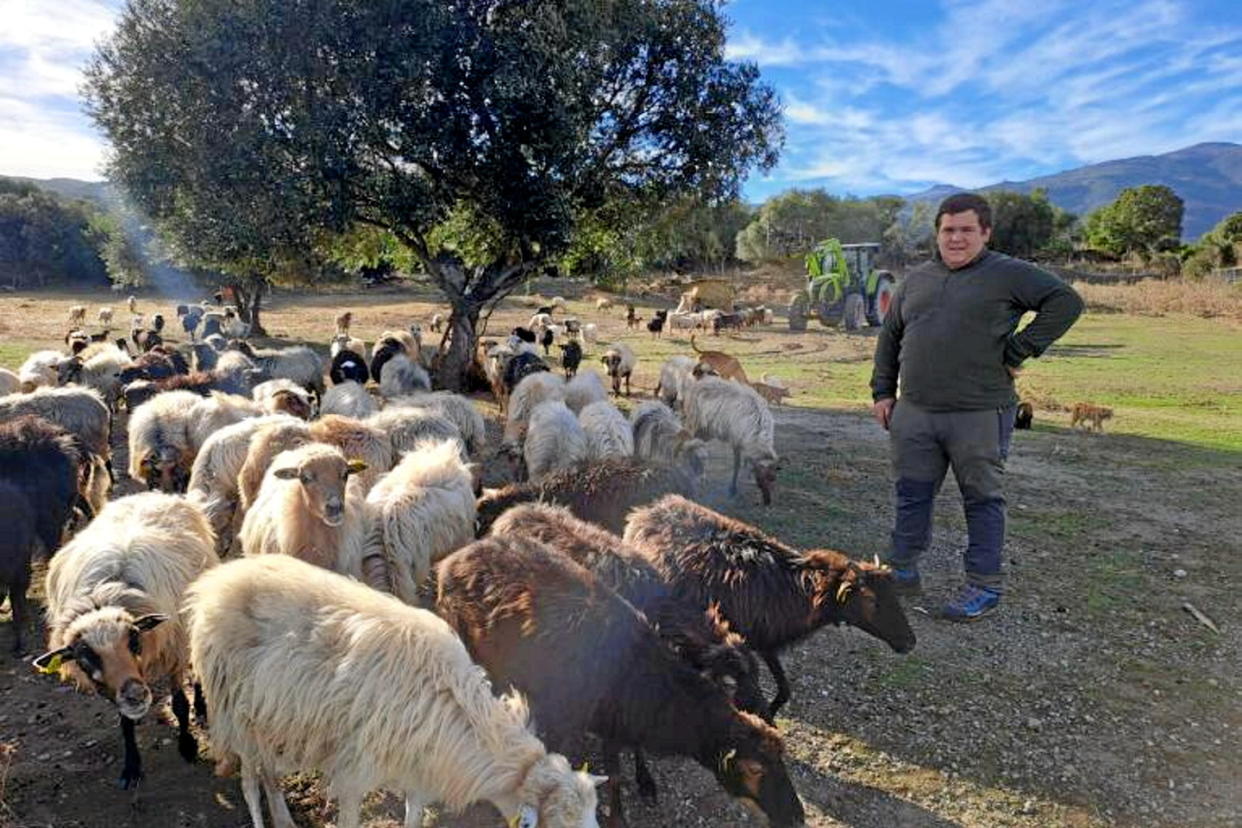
column 961, row 202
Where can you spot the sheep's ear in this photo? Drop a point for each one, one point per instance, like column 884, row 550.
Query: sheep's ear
column 285, row 474
column 50, row 661
column 356, row 466
column 149, row 622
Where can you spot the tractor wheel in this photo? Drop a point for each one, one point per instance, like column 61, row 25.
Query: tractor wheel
column 797, row 313
column 854, row 316
column 829, row 314
column 881, row 300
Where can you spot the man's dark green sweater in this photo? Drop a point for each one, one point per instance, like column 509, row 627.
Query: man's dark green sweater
column 949, row 334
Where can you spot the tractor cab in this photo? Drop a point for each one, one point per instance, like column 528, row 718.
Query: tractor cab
column 843, row 287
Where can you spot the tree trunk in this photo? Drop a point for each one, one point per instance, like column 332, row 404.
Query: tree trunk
column 461, row 335
column 248, row 295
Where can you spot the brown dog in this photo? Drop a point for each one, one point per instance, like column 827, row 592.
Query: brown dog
column 721, row 363
column 1089, row 416
column 771, row 390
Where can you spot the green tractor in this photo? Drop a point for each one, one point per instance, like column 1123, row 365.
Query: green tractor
column 843, row 287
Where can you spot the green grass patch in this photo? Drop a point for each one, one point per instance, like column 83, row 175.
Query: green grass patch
column 902, row 673
column 1114, row 580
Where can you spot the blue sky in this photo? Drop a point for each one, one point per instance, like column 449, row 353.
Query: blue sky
column 885, row 96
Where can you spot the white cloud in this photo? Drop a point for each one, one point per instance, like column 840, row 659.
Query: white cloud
column 41, row 143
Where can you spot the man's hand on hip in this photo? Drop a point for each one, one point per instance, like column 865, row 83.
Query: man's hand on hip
column 883, row 411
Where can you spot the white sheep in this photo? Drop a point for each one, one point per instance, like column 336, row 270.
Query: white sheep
column 304, row 509
column 659, row 437
column 283, row 396
column 161, row 451
column 409, row 344
column 539, row 322
column 348, row 399
column 105, row 316
column 620, row 361
column 554, row 440
column 80, row 411
column 267, row 442
column 114, row 598
column 214, row 412
column 603, row 303
column 683, row 321
column 336, row 678
column 359, row 440
column 402, row 375
column 590, row 332
column 532, row 390
column 98, row 368
column 460, row 410
column 77, row 315
column 424, row 509
column 734, row 413
column 299, row 363
column 39, row 370
column 132, row 304
column 408, row 425
column 676, row 374
column 585, row 388
column 607, row 431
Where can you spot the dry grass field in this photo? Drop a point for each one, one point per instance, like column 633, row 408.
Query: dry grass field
column 1091, row 698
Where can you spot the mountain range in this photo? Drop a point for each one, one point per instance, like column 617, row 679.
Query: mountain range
column 1207, row 177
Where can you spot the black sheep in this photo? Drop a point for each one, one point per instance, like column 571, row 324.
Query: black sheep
column 17, row 543
column 146, row 339
column 157, row 323
column 349, row 365
column 384, row 351
column 205, row 356
column 190, row 319
column 524, row 334
column 571, row 357
column 771, row 594
column 211, row 325
column 656, row 326
column 586, row 660
column 546, row 309
column 520, row 367
column 546, row 341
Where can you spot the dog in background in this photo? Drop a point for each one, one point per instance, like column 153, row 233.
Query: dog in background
column 656, row 325
column 722, row 365
column 771, row 389
column 631, row 318
column 1090, row 417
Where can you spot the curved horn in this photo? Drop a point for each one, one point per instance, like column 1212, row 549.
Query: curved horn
column 843, row 591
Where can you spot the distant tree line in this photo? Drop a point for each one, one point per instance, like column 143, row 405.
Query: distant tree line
column 46, row 239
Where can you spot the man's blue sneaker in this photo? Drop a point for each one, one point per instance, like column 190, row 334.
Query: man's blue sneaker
column 971, row 604
column 906, row 581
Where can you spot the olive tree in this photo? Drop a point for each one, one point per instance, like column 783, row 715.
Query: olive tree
column 516, row 120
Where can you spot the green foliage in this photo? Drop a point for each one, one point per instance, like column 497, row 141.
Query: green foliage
column 46, row 239
column 791, row 223
column 1142, row 220
column 1021, row 224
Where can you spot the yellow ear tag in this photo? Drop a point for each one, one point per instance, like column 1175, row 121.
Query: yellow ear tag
column 585, row 768
column 53, row 666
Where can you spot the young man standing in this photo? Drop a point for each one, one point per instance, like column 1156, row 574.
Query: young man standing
column 951, row 339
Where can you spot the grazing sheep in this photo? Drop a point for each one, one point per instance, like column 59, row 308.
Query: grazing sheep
column 603, row 303
column 308, row 671
column 772, row 594
column 10, row 383
column 571, row 358
column 530, row 392
column 283, row 396
column 586, row 660
column 734, row 413
column 105, row 316
column 359, row 440
column 608, row 433
column 77, row 315
column 161, row 451
column 676, row 374
column 409, row 425
column 547, row 338
column 620, row 360
column 114, row 598
column 39, row 370
column 217, row 467
column 424, row 509
column 601, row 492
column 99, row 371
column 299, row 363
column 584, row 389
column 402, row 375
column 558, row 302
column 702, row 638
column 659, row 437
column 554, row 440
column 683, row 321
column 305, row 510
column 348, row 399
column 345, row 342
column 343, row 322
column 457, row 409
column 589, row 332
column 349, row 366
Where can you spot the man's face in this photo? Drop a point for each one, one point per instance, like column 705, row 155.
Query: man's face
column 961, row 238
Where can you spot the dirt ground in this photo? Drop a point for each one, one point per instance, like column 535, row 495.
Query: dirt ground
column 1091, row 698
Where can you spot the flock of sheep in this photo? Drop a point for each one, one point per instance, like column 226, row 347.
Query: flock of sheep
column 320, row 564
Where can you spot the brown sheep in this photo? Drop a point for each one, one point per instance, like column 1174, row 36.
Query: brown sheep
column 770, row 593
column 587, row 660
